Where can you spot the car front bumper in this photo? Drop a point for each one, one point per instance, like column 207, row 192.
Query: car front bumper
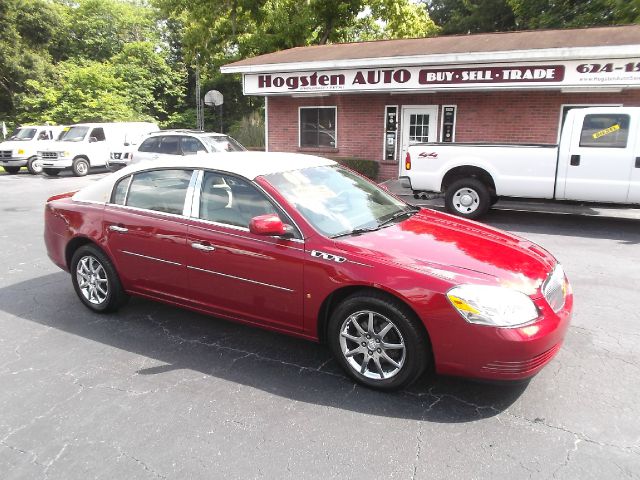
column 59, row 163
column 13, row 162
column 504, row 354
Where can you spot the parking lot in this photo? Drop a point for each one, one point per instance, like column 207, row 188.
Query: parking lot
column 158, row 392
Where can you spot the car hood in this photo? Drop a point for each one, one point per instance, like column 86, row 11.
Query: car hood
column 459, row 250
column 15, row 144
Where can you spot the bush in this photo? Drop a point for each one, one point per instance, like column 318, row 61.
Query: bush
column 249, row 131
column 368, row 168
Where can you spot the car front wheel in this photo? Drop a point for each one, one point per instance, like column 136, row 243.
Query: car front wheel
column 12, row 170
column 95, row 280
column 80, row 167
column 378, row 342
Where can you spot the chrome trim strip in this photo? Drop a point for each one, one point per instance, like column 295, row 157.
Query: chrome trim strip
column 126, row 194
column 240, row 278
column 151, row 258
column 174, row 216
column 195, row 200
column 243, row 236
column 188, row 198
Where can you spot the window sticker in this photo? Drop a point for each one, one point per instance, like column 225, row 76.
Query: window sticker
column 606, row 131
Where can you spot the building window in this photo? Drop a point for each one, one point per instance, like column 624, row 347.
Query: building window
column 318, row 127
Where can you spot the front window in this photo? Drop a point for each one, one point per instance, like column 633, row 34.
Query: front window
column 74, row 134
column 231, row 201
column 318, row 127
column 23, row 134
column 336, row 201
column 222, row 143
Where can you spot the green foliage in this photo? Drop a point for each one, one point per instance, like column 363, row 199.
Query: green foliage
column 249, row 131
column 533, row 14
column 368, row 168
column 472, row 16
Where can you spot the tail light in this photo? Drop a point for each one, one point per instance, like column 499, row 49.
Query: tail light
column 407, row 162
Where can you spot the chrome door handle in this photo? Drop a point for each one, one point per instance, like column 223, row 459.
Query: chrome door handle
column 116, row 228
column 204, row 248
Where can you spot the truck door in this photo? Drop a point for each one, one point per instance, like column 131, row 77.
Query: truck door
column 98, row 149
column 600, row 158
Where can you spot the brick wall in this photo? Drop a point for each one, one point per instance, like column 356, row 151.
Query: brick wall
column 508, row 116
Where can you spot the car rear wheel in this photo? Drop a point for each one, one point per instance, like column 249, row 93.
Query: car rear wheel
column 34, row 166
column 468, row 198
column 96, row 281
column 51, row 172
column 12, row 170
column 80, row 167
column 378, row 341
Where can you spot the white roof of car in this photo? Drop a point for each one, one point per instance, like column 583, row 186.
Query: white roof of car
column 194, row 133
column 246, row 164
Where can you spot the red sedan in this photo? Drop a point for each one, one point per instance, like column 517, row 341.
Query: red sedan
column 301, row 245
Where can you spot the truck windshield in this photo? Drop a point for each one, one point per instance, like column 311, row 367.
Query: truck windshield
column 223, row 143
column 74, row 134
column 23, row 134
column 338, row 202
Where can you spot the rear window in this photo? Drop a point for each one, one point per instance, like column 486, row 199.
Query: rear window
column 223, row 143
column 159, row 190
column 150, row 145
column 605, row 130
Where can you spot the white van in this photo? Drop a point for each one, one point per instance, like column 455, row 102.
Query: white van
column 21, row 148
column 87, row 145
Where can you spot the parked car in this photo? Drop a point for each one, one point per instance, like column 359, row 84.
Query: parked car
column 171, row 143
column 20, row 149
column 301, row 245
column 597, row 160
column 87, row 145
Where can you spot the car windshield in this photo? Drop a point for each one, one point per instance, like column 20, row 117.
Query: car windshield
column 23, row 134
column 74, row 134
column 338, row 202
column 222, row 143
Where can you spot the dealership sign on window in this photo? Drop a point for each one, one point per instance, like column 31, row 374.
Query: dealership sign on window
column 564, row 74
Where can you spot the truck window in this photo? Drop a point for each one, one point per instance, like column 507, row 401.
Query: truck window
column 609, row 130
column 98, row 134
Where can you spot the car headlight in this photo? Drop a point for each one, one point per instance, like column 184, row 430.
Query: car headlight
column 494, row 306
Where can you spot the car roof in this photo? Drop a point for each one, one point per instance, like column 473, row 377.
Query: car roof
column 246, row 164
column 197, row 133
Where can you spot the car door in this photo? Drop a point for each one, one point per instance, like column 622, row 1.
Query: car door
column 233, row 272
column 97, row 147
column 145, row 231
column 600, row 158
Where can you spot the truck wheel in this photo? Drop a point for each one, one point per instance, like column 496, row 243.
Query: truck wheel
column 467, row 198
column 80, row 167
column 12, row 170
column 51, row 172
column 34, row 166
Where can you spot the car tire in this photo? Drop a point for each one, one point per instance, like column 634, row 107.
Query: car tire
column 12, row 170
column 80, row 166
column 33, row 166
column 361, row 351
column 96, row 281
column 51, row 172
column 467, row 198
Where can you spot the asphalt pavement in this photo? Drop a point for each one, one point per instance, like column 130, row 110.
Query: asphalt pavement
column 158, row 392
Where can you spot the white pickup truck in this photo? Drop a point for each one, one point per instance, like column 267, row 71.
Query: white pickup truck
column 597, row 160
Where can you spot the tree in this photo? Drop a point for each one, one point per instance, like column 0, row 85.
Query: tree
column 534, row 14
column 472, row 16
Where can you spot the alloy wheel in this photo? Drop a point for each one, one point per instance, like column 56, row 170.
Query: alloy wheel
column 92, row 280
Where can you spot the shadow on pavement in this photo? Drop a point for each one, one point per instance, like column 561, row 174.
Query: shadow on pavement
column 277, row 364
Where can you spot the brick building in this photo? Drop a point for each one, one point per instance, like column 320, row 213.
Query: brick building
column 370, row 100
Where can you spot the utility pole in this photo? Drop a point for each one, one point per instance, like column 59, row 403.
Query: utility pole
column 199, row 106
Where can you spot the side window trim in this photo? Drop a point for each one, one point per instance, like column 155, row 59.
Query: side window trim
column 195, row 206
column 112, row 198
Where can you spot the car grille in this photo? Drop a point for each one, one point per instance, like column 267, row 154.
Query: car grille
column 5, row 153
column 554, row 289
column 524, row 366
column 49, row 154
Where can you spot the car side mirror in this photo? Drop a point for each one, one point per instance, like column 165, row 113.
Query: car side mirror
column 269, row 225
column 93, row 139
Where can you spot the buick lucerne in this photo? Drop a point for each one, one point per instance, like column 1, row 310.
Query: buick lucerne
column 304, row 246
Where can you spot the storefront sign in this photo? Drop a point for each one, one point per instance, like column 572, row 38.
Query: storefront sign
column 562, row 74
